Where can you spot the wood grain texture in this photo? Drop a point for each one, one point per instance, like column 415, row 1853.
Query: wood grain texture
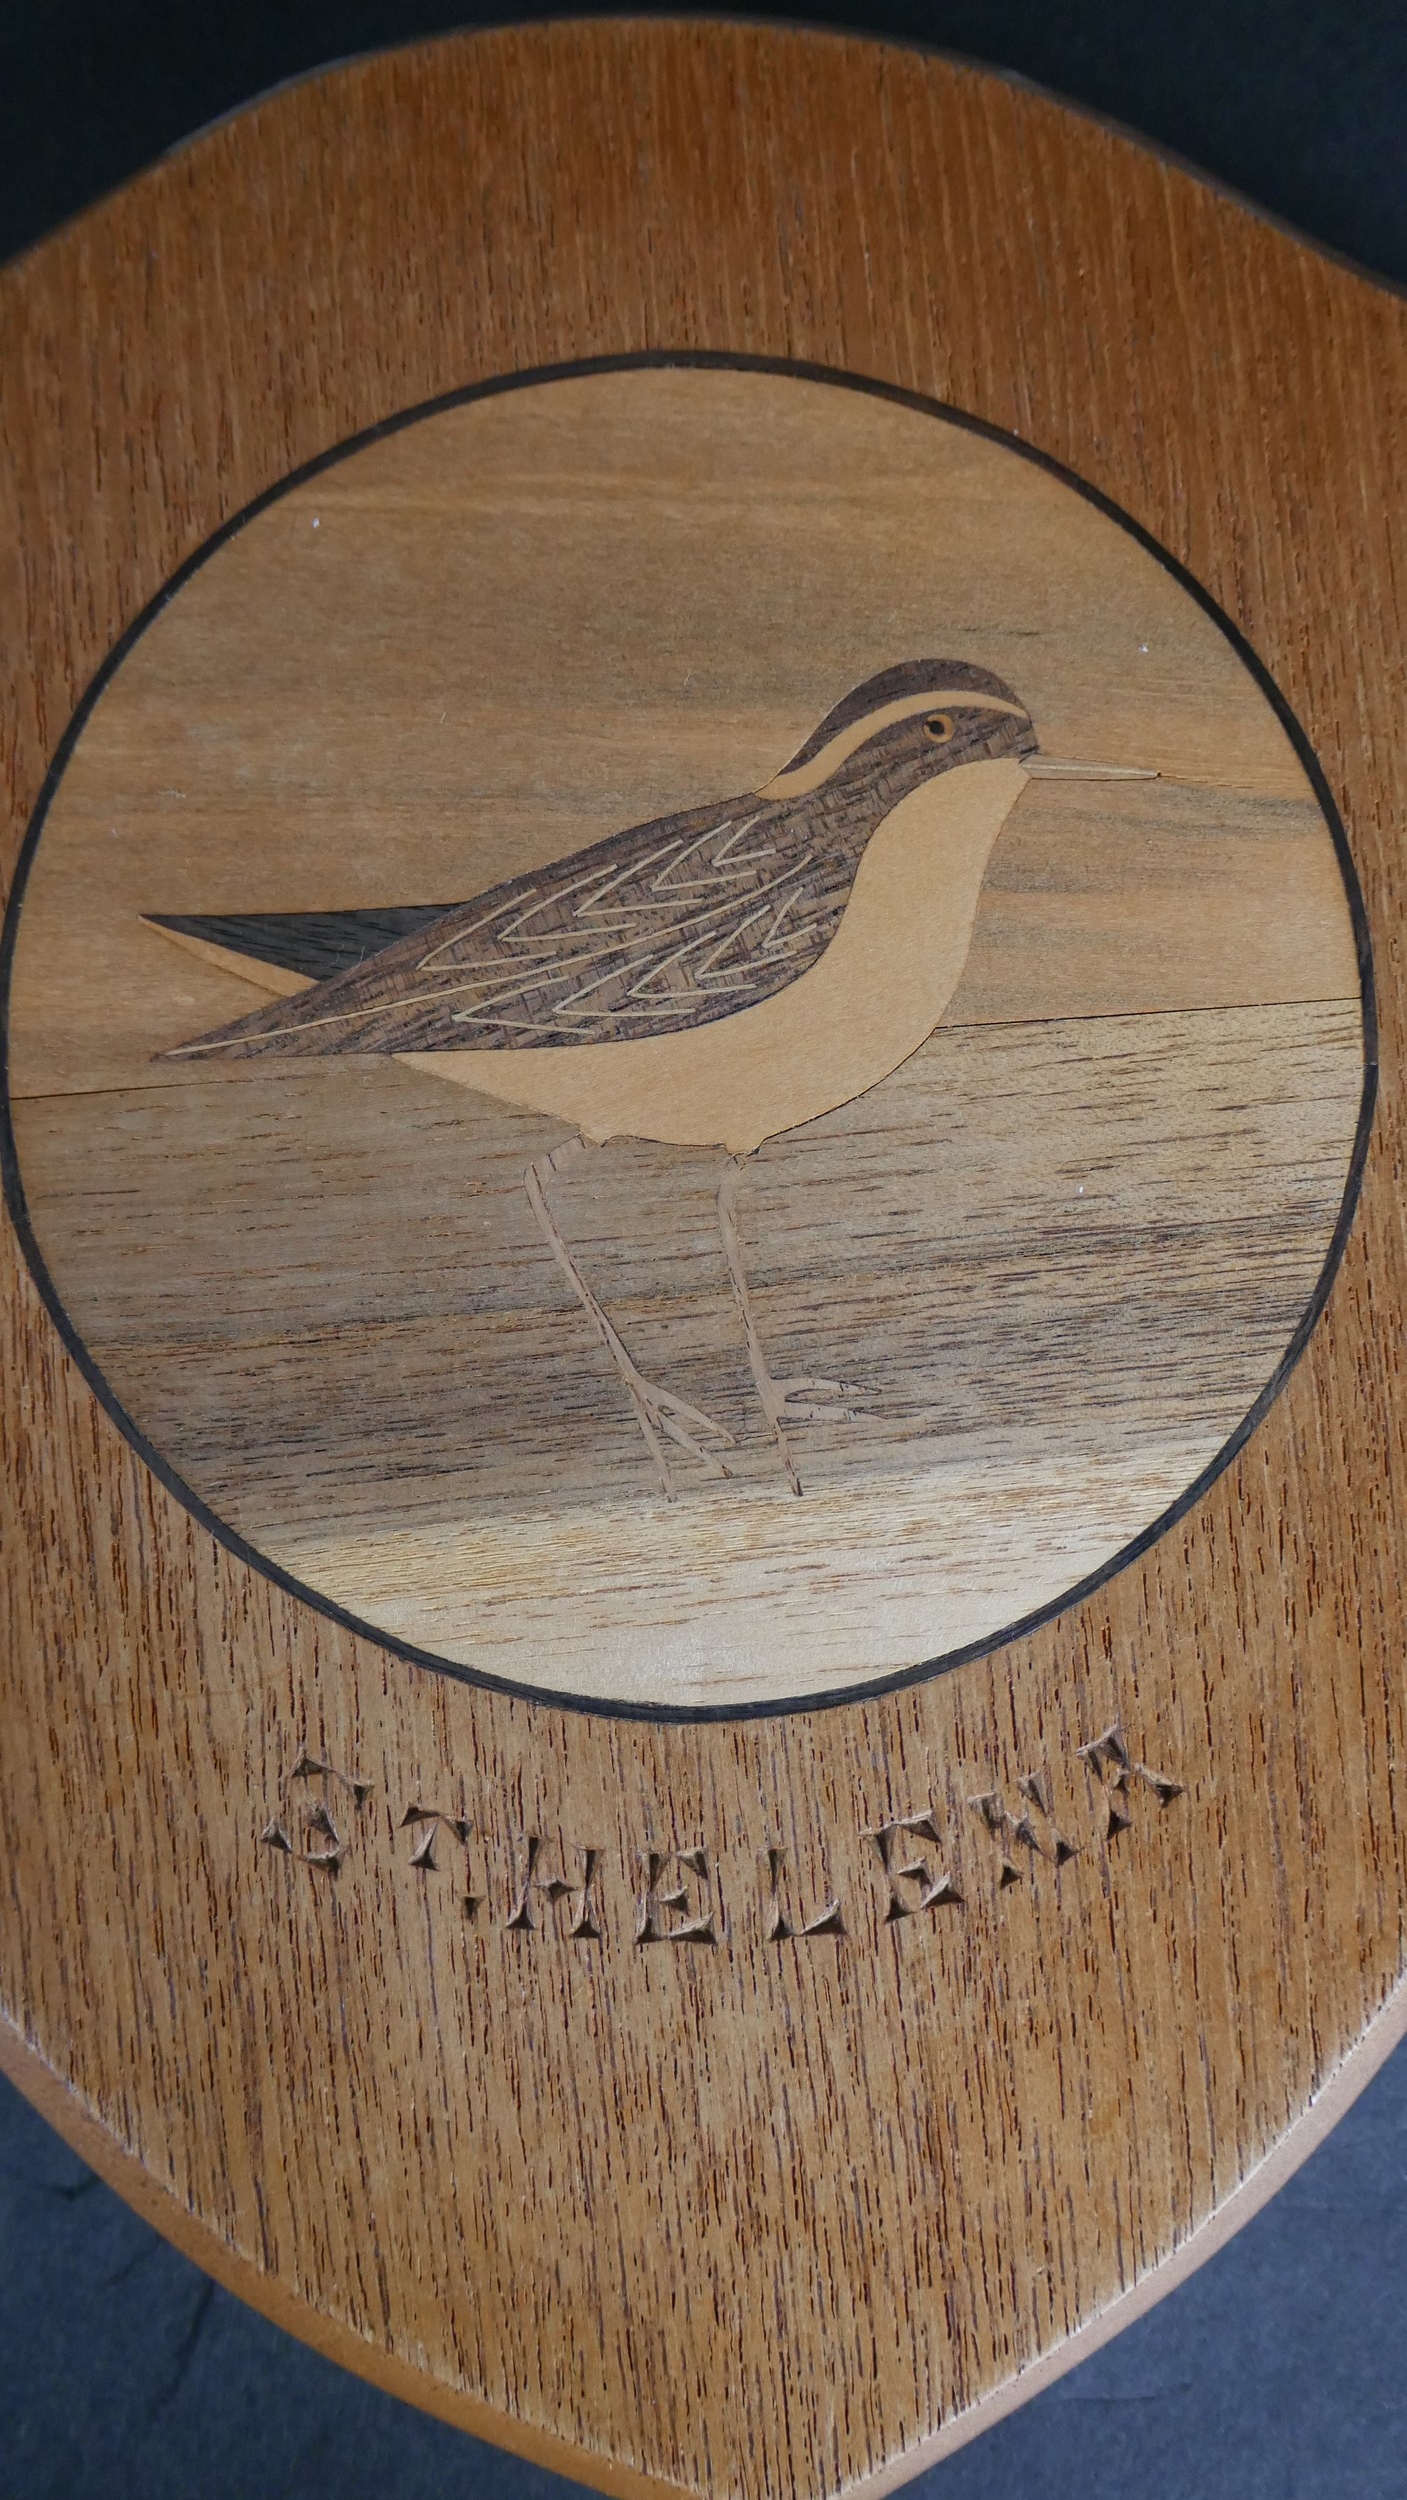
column 1054, row 1251
column 1063, row 1259
column 750, row 2215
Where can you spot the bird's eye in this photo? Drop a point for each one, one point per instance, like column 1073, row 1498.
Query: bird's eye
column 939, row 727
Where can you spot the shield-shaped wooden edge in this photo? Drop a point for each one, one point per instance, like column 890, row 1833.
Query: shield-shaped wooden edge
column 719, row 2204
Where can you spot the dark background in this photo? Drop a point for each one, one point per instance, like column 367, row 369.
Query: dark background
column 1298, row 103
column 1280, row 2371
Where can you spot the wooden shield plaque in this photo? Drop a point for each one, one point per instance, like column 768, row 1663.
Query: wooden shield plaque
column 703, row 1261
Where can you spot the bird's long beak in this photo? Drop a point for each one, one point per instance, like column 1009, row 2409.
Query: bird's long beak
column 1062, row 768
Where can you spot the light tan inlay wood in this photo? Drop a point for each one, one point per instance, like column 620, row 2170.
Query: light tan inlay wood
column 1041, row 1264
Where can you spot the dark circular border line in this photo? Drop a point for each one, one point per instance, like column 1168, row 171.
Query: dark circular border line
column 877, row 1686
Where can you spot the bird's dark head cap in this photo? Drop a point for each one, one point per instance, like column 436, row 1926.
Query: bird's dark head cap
column 918, row 718
column 908, row 681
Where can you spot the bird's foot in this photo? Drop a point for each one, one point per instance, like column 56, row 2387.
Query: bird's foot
column 795, row 1401
column 664, row 1417
column 788, row 1390
column 660, row 1415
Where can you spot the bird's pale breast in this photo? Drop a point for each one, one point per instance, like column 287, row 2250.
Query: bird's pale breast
column 874, row 997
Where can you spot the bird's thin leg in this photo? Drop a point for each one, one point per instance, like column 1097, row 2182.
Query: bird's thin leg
column 659, row 1414
column 776, row 1395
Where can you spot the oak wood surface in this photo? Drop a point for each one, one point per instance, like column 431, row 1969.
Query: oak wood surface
column 752, row 2212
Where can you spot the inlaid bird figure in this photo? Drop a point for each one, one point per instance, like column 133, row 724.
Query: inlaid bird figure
column 712, row 978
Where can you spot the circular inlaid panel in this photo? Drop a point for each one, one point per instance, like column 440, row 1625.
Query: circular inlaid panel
column 686, row 1035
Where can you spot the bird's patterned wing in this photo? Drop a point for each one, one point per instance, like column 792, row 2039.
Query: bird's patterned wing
column 658, row 929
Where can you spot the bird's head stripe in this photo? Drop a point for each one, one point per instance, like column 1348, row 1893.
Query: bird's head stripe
column 838, row 750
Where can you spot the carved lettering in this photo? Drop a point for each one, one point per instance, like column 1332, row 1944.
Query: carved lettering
column 553, row 1887
column 996, row 1819
column 778, row 1925
column 317, row 1840
column 1119, row 1778
column 556, row 1889
column 1013, row 1832
column 932, row 1887
column 676, row 1906
column 434, row 1831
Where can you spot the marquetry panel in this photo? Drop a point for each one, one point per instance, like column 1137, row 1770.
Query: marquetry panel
column 748, row 2104
column 1047, row 1068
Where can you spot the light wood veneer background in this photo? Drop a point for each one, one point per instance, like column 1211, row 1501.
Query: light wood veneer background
column 1062, row 1249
